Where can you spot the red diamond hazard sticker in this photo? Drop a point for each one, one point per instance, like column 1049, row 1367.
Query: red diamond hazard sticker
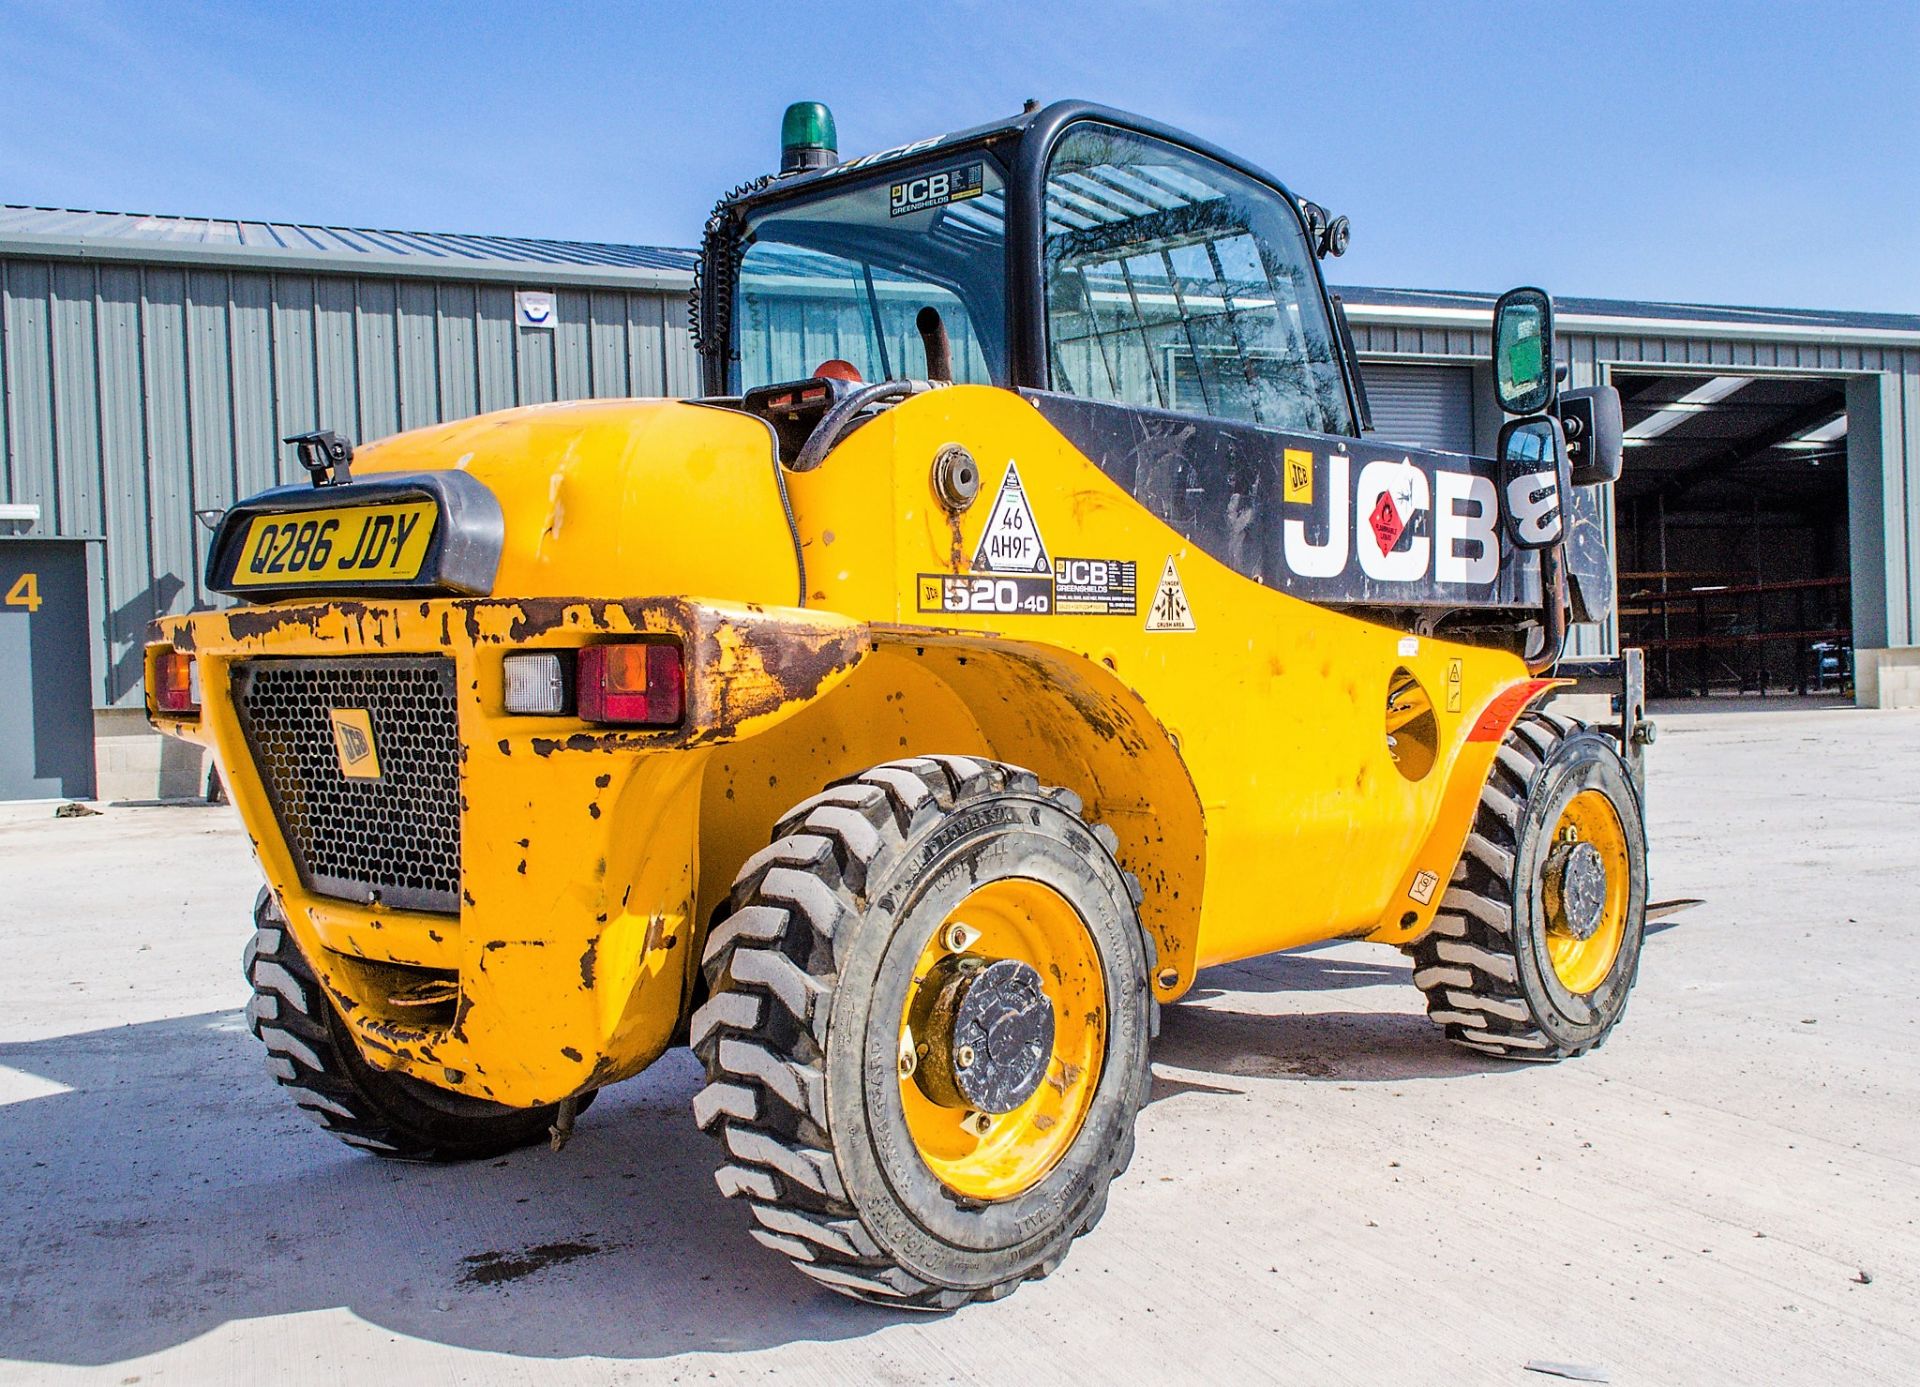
column 1386, row 522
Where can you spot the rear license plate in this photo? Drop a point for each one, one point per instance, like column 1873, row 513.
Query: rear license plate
column 350, row 544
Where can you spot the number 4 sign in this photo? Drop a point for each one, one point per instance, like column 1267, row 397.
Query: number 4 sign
column 25, row 592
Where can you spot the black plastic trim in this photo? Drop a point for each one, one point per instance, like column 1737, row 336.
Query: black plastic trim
column 462, row 557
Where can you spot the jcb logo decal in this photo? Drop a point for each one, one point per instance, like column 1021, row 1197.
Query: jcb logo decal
column 353, row 743
column 1405, row 524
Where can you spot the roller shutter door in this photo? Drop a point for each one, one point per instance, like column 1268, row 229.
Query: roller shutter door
column 1428, row 405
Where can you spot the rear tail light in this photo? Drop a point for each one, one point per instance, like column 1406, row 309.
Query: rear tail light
column 639, row 684
column 176, row 682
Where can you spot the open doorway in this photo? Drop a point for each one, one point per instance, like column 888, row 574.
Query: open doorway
column 1731, row 533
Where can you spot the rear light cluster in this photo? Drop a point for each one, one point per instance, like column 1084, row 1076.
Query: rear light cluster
column 639, row 684
column 176, row 683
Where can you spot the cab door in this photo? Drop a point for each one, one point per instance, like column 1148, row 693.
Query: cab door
column 1189, row 350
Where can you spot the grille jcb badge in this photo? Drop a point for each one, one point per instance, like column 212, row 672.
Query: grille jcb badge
column 353, row 743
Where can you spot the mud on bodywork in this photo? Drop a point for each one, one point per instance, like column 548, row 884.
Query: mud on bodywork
column 568, row 962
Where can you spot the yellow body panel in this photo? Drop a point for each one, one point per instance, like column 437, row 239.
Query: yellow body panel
column 1244, row 763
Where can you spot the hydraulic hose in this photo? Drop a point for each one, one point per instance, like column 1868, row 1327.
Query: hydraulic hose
column 837, row 420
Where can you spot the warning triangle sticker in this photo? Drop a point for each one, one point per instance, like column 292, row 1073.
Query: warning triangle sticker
column 1169, row 610
column 1011, row 542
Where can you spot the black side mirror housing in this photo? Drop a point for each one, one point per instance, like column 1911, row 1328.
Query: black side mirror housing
column 1524, row 379
column 1595, row 439
column 1534, row 480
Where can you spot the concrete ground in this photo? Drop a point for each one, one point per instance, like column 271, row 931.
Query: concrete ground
column 1324, row 1191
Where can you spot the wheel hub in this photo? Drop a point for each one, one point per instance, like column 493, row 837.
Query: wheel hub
column 985, row 1032
column 1576, row 889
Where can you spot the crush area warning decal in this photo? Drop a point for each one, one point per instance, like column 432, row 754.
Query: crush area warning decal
column 1095, row 587
column 936, row 189
column 1011, row 542
column 1170, row 610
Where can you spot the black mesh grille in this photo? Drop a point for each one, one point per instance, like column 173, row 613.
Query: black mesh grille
column 395, row 839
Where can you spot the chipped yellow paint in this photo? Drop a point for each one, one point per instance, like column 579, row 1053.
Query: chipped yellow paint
column 1244, row 764
column 574, row 946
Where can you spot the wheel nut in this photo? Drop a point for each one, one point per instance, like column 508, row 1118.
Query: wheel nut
column 979, row 1123
column 956, row 938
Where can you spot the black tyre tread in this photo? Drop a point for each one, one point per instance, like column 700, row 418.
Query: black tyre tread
column 770, row 967
column 1466, row 964
column 290, row 1014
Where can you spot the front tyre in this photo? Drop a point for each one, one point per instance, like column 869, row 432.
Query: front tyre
column 926, row 1040
column 310, row 1053
column 1537, row 941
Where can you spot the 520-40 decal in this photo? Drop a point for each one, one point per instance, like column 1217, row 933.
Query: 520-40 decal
column 999, row 593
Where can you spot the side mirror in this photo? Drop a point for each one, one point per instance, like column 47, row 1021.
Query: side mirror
column 1535, row 481
column 1523, row 376
column 1595, row 439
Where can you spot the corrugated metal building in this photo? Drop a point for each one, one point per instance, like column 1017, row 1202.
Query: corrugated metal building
column 1773, row 458
column 151, row 364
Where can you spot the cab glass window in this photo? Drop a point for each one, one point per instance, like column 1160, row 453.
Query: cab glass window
column 1175, row 283
column 844, row 275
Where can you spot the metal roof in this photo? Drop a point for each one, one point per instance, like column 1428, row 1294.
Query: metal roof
column 67, row 233
column 1652, row 317
column 139, row 236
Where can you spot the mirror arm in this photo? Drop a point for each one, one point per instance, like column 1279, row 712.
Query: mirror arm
column 1553, row 609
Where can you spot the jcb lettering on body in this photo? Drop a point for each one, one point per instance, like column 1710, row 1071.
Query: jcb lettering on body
column 1466, row 544
column 1404, row 524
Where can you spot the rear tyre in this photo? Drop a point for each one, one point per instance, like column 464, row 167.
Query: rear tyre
column 391, row 1115
column 926, row 1035
column 1536, row 943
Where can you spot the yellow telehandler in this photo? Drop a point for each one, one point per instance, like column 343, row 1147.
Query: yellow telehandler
column 1022, row 621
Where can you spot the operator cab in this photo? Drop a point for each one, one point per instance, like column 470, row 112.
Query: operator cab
column 1160, row 302
column 1166, row 277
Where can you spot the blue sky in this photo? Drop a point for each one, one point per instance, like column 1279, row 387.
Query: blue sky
column 1748, row 153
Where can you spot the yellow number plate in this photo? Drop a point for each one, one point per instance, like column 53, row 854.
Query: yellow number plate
column 351, row 544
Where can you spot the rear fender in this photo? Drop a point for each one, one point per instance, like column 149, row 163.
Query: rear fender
column 1060, row 715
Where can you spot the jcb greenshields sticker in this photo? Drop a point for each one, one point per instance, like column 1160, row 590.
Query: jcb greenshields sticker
column 1095, row 587
column 930, row 190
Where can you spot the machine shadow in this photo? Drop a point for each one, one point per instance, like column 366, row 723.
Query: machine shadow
column 1204, row 1032
column 162, row 1187
column 174, row 1189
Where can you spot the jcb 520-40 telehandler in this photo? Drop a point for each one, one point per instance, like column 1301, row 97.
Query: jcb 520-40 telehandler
column 1022, row 622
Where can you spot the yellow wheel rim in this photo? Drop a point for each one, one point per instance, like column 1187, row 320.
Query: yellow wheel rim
column 1019, row 919
column 1583, row 964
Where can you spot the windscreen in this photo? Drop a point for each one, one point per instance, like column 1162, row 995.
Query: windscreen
column 1177, row 283
column 844, row 275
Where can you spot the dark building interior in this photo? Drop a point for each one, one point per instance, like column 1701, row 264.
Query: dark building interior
column 1732, row 533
